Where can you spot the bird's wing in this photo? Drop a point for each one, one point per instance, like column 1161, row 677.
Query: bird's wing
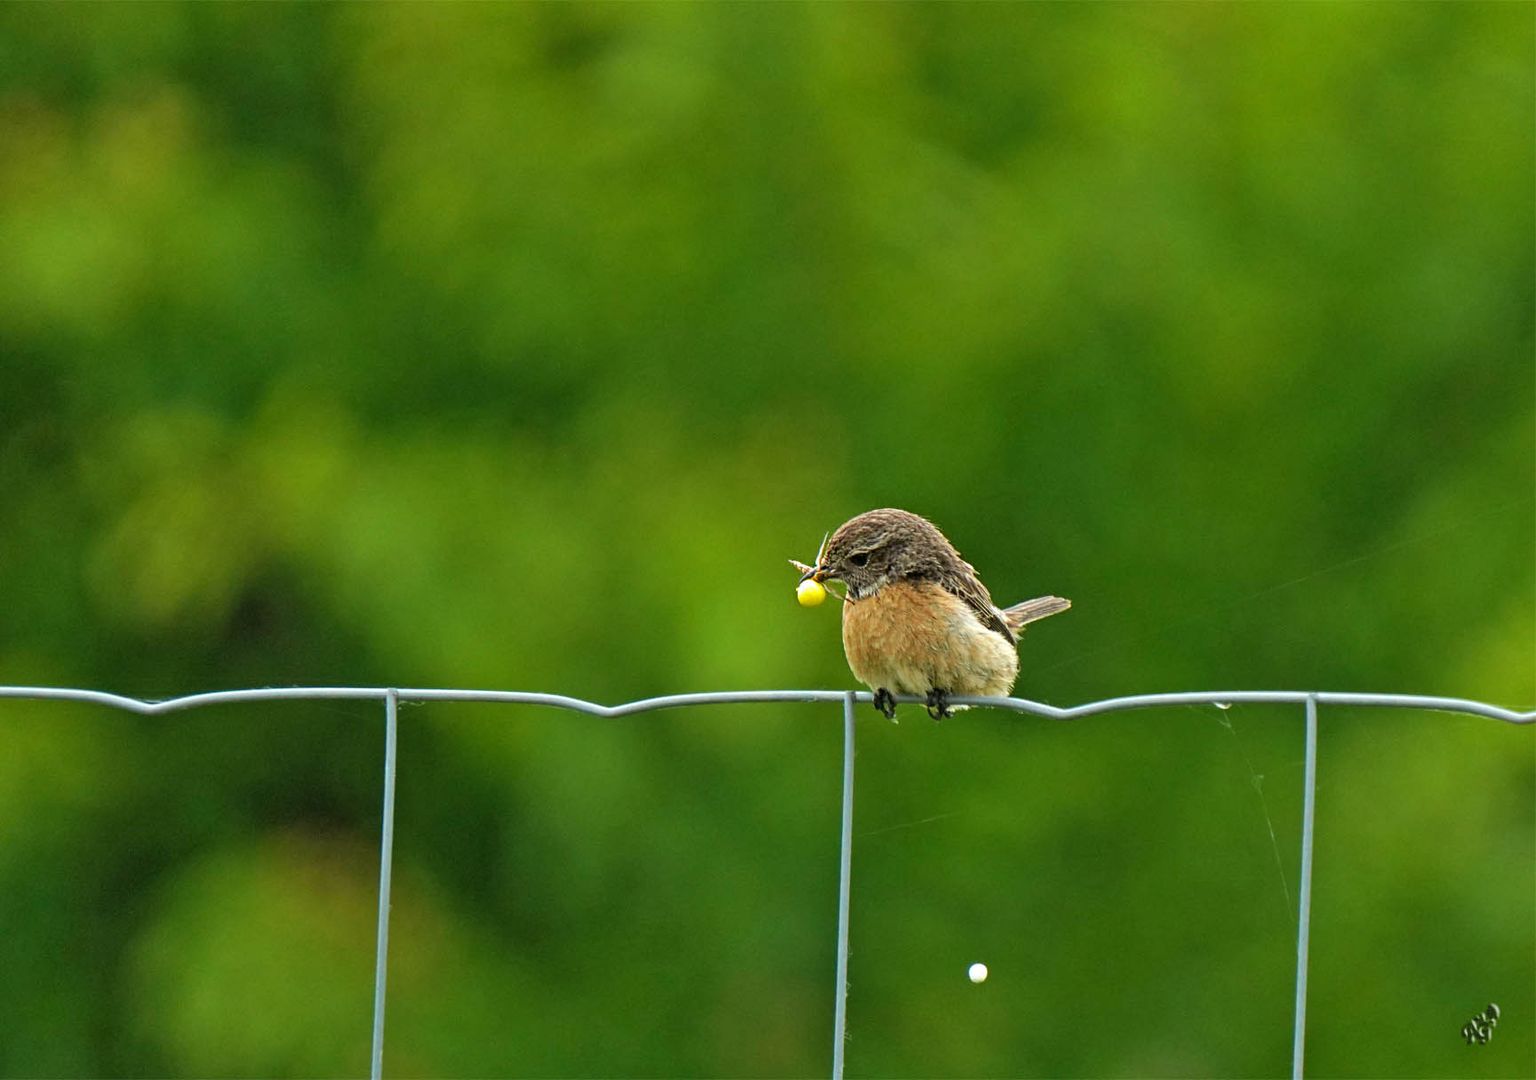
column 968, row 587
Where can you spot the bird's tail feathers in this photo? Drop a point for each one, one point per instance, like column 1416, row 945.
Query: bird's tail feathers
column 1021, row 615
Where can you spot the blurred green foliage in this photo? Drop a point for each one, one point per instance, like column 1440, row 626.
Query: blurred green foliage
column 518, row 346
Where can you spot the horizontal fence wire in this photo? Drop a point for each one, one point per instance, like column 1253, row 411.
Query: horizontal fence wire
column 737, row 697
column 392, row 697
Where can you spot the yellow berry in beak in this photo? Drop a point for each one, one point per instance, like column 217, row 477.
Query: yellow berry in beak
column 810, row 593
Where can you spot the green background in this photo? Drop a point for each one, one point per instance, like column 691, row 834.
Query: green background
column 519, row 346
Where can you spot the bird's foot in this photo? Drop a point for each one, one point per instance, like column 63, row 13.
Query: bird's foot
column 885, row 703
column 938, row 703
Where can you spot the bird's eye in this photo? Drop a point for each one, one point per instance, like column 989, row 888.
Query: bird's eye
column 859, row 558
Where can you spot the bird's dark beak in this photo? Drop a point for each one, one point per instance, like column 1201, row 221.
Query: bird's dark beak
column 810, row 573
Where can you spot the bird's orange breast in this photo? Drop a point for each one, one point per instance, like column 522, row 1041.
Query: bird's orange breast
column 911, row 637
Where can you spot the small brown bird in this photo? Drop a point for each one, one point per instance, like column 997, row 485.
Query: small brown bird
column 917, row 619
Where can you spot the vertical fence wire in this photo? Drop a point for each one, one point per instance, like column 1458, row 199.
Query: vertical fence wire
column 386, row 859
column 840, row 1011
column 1304, row 903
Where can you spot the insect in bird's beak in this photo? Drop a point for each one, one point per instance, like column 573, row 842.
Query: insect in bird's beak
column 818, row 572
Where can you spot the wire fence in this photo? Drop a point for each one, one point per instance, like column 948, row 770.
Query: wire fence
column 1311, row 701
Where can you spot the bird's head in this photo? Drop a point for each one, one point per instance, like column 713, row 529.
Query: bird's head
column 877, row 547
